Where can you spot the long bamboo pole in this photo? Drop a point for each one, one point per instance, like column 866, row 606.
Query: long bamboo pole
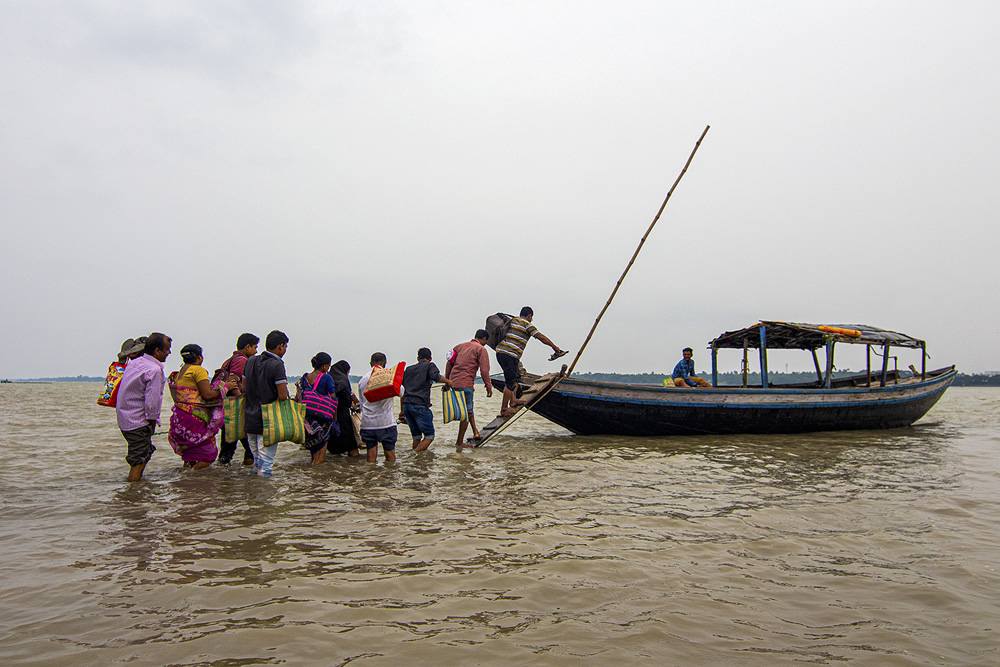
column 636, row 253
column 552, row 386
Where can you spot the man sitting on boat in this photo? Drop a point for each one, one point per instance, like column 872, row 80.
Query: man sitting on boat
column 684, row 372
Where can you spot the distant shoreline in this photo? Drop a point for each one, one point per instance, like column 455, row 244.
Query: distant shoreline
column 78, row 378
column 654, row 379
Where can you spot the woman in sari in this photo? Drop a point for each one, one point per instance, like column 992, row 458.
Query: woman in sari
column 316, row 391
column 344, row 442
column 197, row 414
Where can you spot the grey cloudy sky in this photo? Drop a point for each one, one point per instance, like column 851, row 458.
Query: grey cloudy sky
column 383, row 175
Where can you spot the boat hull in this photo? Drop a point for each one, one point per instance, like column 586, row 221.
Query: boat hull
column 607, row 408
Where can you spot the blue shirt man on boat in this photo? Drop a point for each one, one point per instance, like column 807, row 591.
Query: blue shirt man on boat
column 683, row 375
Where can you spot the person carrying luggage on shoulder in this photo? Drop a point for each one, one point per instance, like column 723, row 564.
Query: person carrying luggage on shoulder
column 197, row 414
column 415, row 400
column 264, row 381
column 140, row 398
column 132, row 349
column 342, row 440
column 246, row 347
column 461, row 369
column 378, row 426
column 318, row 391
column 509, row 352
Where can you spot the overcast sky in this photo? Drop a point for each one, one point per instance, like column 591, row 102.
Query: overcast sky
column 383, row 175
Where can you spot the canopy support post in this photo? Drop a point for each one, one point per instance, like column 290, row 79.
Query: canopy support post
column 885, row 365
column 829, row 363
column 819, row 372
column 715, row 366
column 923, row 361
column 868, row 360
column 746, row 364
column 763, row 357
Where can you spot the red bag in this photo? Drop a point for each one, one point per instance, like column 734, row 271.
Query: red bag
column 109, row 396
column 384, row 382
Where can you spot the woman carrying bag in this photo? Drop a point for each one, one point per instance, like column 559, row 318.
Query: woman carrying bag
column 316, row 390
column 197, row 414
column 343, row 441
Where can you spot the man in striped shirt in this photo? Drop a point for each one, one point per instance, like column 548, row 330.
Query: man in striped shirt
column 140, row 395
column 509, row 352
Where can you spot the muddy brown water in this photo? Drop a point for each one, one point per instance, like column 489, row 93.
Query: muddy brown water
column 874, row 548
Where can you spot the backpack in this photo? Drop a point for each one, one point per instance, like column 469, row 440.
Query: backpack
column 497, row 327
column 223, row 374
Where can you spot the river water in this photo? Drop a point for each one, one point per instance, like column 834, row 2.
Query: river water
column 875, row 548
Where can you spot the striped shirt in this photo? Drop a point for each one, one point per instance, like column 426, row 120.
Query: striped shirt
column 517, row 337
column 140, row 393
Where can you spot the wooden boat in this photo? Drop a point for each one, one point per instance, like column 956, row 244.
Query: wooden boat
column 877, row 399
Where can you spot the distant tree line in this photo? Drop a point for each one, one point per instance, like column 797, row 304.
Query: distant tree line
column 728, row 379
column 78, row 378
column 87, row 378
column 735, row 378
column 977, row 380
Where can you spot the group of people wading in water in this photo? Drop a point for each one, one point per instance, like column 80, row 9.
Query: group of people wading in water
column 197, row 414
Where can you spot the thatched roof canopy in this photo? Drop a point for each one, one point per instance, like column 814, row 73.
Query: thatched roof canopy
column 800, row 336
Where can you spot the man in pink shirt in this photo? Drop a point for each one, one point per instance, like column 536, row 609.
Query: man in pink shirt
column 461, row 369
column 140, row 396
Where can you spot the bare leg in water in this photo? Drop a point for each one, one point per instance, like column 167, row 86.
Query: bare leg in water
column 390, row 456
column 462, row 427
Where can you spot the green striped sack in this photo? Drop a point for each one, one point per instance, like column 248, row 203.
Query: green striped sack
column 454, row 406
column 284, row 421
column 235, row 425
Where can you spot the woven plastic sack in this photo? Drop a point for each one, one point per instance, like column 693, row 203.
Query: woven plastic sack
column 235, row 424
column 454, row 407
column 284, row 421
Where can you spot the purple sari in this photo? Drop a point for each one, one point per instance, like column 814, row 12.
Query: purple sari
column 194, row 423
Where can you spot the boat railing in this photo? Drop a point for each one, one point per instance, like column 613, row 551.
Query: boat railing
column 865, row 379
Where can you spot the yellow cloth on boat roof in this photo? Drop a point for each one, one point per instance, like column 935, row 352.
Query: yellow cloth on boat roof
column 852, row 333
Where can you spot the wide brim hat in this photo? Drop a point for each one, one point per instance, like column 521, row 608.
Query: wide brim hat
column 131, row 346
